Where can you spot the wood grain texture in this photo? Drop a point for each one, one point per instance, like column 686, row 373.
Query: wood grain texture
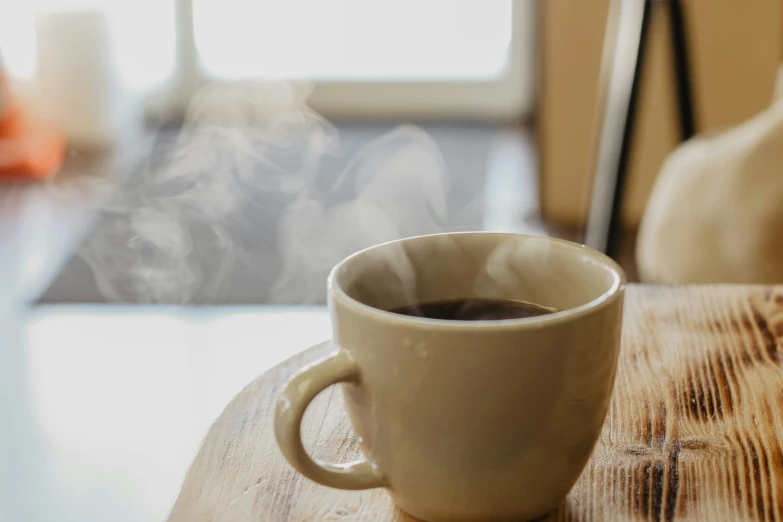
column 693, row 433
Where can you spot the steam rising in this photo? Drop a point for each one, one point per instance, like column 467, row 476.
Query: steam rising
column 248, row 163
column 400, row 191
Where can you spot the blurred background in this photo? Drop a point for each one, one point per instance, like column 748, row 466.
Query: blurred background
column 226, row 153
column 513, row 93
column 116, row 80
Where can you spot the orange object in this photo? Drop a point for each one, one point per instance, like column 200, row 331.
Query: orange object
column 28, row 149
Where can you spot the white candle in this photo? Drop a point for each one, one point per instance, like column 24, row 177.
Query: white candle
column 79, row 85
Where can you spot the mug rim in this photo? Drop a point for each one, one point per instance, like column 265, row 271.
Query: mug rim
column 337, row 293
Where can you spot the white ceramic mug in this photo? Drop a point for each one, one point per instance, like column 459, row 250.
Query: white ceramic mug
column 466, row 420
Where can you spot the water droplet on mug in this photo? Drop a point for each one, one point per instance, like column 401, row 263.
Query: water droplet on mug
column 421, row 350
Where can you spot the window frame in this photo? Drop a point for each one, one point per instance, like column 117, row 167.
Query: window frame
column 510, row 97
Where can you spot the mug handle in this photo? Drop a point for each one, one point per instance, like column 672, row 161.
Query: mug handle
column 300, row 390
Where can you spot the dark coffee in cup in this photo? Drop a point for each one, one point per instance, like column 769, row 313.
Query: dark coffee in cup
column 474, row 309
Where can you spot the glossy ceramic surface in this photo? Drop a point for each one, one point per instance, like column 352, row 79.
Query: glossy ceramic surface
column 466, row 420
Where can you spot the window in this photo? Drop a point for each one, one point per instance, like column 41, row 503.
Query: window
column 403, row 40
column 366, row 58
column 378, row 58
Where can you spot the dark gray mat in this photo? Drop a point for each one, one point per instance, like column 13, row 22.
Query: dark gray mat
column 240, row 261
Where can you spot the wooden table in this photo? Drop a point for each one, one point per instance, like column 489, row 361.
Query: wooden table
column 694, row 431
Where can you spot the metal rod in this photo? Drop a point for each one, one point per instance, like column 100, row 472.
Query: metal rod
column 681, row 69
column 625, row 31
column 615, row 223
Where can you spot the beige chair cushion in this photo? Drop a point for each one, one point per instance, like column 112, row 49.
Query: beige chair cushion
column 716, row 211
